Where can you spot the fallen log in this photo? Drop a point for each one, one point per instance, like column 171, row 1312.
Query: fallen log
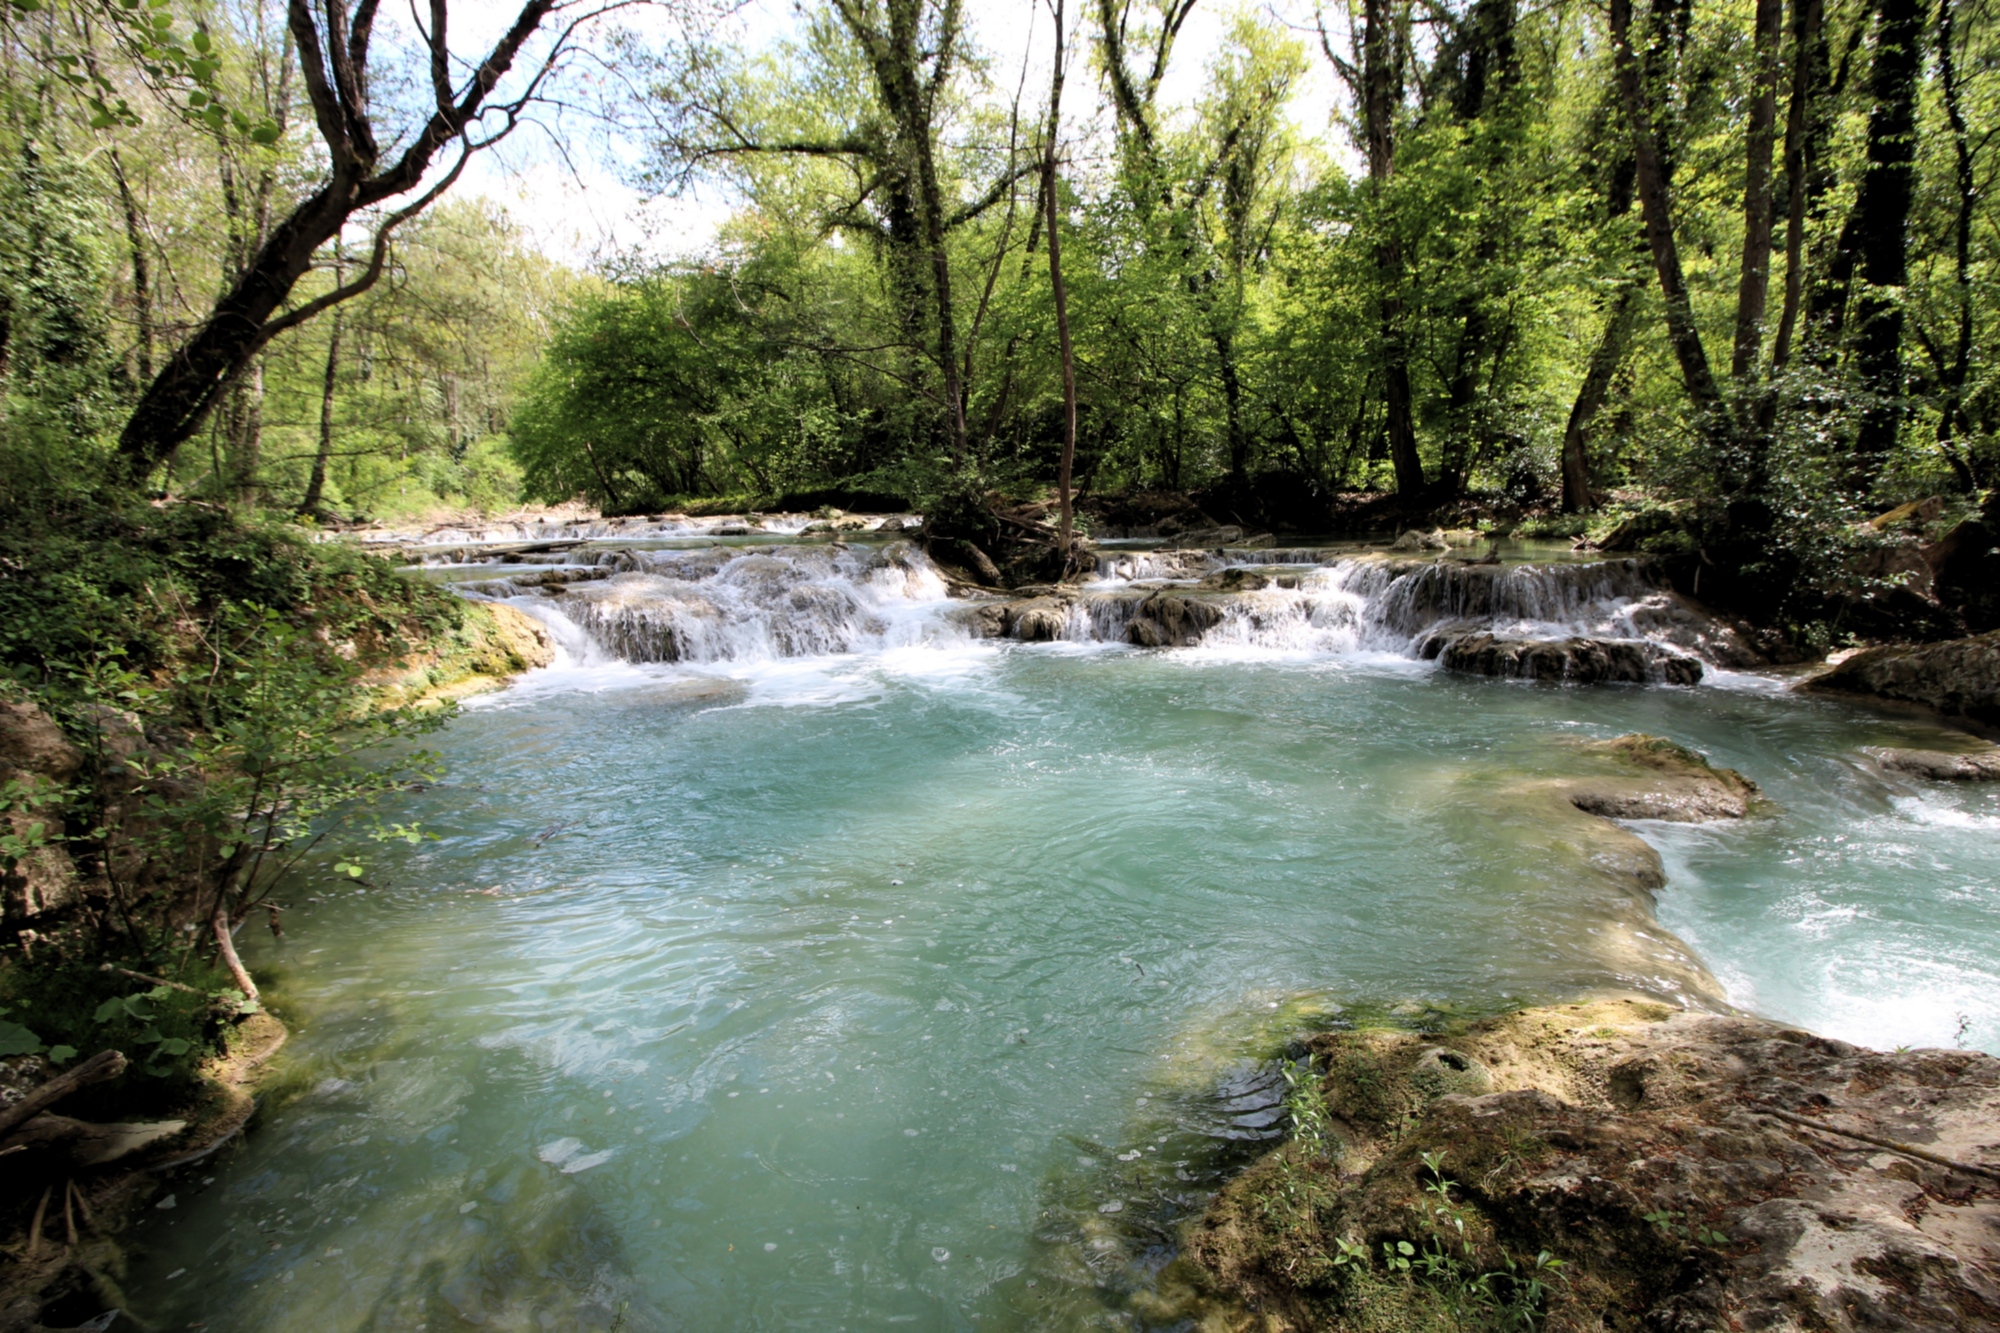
column 99, row 1067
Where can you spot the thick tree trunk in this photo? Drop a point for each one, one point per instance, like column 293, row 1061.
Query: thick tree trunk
column 1952, row 372
column 1683, row 334
column 1805, row 130
column 1381, row 82
column 1754, row 284
column 1882, row 213
column 1490, row 72
column 1604, row 363
column 1064, row 532
column 1232, row 406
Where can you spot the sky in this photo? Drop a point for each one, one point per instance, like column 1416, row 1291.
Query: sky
column 583, row 208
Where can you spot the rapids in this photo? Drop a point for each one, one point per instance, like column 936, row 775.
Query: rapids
column 792, row 956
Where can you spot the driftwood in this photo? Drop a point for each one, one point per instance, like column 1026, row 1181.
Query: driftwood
column 103, row 1065
column 1906, row 1149
column 89, row 1144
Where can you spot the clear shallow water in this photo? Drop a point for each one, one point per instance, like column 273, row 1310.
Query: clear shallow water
column 927, row 989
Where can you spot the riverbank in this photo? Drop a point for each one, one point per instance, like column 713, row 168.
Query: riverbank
column 91, row 1182
column 179, row 684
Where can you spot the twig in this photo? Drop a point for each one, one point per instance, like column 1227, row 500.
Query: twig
column 152, row 980
column 1908, row 1150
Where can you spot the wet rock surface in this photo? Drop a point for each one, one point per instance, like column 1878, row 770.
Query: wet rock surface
column 1959, row 678
column 1576, row 660
column 1944, row 765
column 1660, row 779
column 1691, row 1171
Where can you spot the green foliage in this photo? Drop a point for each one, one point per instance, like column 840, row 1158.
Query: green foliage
column 1311, row 1127
column 84, row 1004
column 1507, row 1298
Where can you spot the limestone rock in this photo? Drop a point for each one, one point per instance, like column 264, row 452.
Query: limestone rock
column 1915, row 513
column 1944, row 766
column 1965, row 565
column 521, row 637
column 1686, row 1168
column 1167, row 620
column 1578, row 660
column 1037, row 620
column 1225, row 535
column 1413, row 540
column 31, row 742
column 1960, row 677
column 1661, row 780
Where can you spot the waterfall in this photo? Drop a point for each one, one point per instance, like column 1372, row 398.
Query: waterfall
column 735, row 604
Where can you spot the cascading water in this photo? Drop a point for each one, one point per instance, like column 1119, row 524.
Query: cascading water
column 743, row 604
column 734, row 605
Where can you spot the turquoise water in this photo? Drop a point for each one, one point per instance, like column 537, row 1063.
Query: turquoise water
column 930, row 988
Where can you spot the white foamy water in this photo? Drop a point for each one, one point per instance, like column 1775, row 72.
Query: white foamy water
column 743, row 604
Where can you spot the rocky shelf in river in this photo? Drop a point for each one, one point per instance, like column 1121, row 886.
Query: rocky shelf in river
column 1690, row 1171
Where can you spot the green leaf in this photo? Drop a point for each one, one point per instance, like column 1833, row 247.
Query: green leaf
column 61, row 1054
column 175, row 1046
column 17, row 1040
column 200, row 42
column 109, row 1010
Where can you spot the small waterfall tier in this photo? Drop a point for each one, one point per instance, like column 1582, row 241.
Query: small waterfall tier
column 1576, row 620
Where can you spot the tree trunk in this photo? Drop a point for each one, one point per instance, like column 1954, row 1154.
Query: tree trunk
column 1804, row 136
column 1683, row 334
column 1381, row 82
column 316, row 483
column 1754, row 285
column 1064, row 538
column 1882, row 213
column 246, row 316
column 1604, row 363
column 142, row 278
column 1953, row 371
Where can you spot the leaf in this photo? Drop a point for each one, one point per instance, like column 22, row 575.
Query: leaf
column 61, row 1054
column 109, row 1010
column 17, row 1040
column 175, row 1046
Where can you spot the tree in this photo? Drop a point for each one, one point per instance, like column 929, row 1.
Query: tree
column 334, row 48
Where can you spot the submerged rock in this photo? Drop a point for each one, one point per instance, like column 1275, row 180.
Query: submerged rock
column 1960, row 677
column 1661, row 780
column 1945, row 766
column 1578, row 660
column 1690, row 1171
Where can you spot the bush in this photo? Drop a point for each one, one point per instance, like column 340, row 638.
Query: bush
column 87, row 1006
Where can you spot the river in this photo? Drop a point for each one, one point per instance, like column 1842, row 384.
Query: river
column 851, row 971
